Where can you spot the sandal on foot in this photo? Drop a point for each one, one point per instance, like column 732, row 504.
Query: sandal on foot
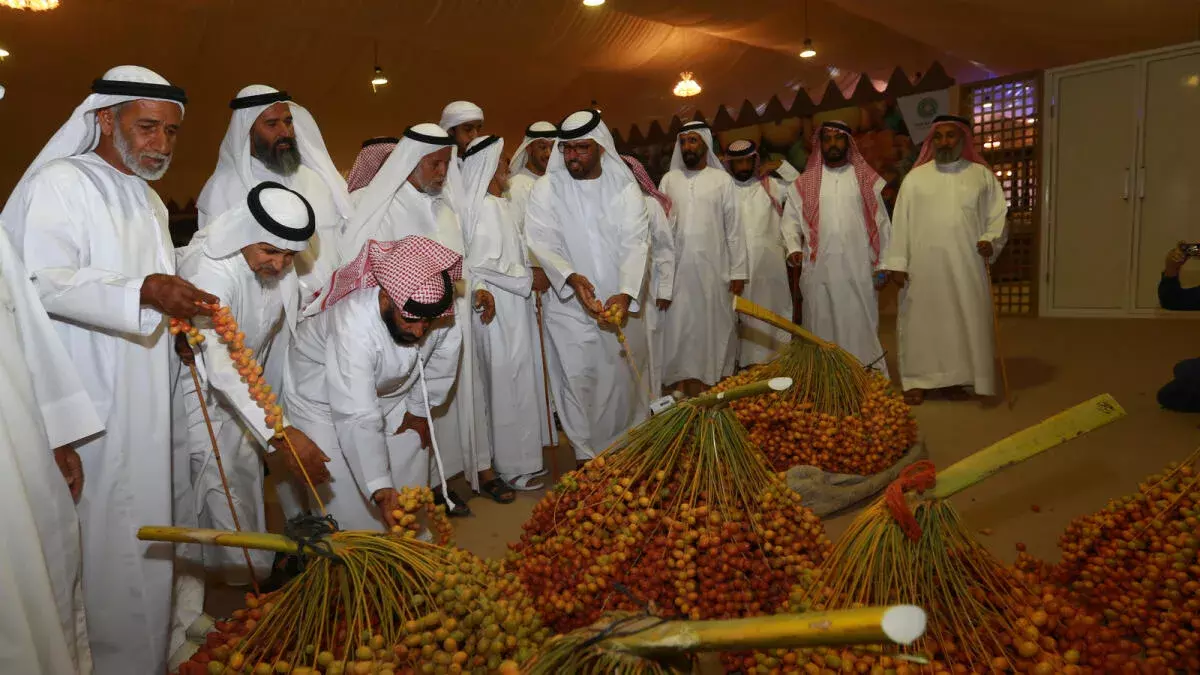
column 498, row 491
column 460, row 510
column 914, row 397
column 526, row 482
column 956, row 394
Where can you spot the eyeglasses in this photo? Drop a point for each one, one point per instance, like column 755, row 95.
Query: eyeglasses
column 576, row 148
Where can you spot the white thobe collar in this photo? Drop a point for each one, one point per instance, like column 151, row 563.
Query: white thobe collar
column 837, row 170
column 952, row 167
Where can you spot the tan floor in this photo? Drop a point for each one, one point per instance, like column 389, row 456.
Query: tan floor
column 1053, row 364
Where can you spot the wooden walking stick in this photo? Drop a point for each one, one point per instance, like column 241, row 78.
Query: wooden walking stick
column 546, row 386
column 221, row 469
column 987, row 266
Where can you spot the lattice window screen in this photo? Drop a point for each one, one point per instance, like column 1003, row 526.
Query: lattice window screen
column 1007, row 133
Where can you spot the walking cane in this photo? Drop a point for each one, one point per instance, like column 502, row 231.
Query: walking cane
column 237, row 525
column 546, row 385
column 987, row 266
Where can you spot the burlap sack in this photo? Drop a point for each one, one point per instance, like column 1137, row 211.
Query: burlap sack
column 828, row 493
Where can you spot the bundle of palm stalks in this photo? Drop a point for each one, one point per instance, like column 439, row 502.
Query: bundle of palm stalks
column 911, row 546
column 684, row 512
column 840, row 417
column 621, row 643
column 369, row 603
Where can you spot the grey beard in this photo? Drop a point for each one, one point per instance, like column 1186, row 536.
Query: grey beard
column 284, row 163
column 132, row 161
column 948, row 155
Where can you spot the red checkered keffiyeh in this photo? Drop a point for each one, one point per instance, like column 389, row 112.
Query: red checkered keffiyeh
column 809, row 187
column 969, row 152
column 408, row 269
column 643, row 179
column 372, row 156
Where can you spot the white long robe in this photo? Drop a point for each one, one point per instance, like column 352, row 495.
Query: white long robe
column 768, row 283
column 662, row 283
column 90, row 235
column 840, row 300
column 945, row 320
column 710, row 248
column 349, row 386
column 43, row 629
column 238, row 422
column 462, row 424
column 225, row 190
column 507, row 348
column 596, row 390
column 519, row 188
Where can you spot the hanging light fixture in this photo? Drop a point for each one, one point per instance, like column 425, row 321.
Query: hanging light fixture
column 592, row 3
column 33, row 5
column 379, row 78
column 808, row 52
column 3, row 53
column 686, row 86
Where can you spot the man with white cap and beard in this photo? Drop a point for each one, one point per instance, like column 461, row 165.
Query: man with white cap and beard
column 699, row 340
column 93, row 235
column 272, row 138
column 505, row 341
column 370, row 363
column 244, row 256
column 587, row 226
column 951, row 211
column 760, row 207
column 835, row 226
column 463, row 120
column 412, row 195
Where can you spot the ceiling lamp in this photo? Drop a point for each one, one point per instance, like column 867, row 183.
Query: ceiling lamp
column 808, row 52
column 379, row 79
column 592, row 3
column 3, row 53
column 35, row 5
column 686, row 86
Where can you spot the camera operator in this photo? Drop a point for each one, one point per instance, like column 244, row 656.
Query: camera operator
column 1181, row 394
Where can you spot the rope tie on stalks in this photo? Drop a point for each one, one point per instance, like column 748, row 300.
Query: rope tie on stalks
column 311, row 532
column 613, row 629
column 919, row 477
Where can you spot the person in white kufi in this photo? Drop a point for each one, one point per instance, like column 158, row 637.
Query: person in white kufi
column 93, row 235
column 951, row 211
column 369, row 367
column 463, row 120
column 43, row 408
column 661, row 216
column 699, row 340
column 506, row 342
column 245, row 257
column 272, row 138
column 760, row 208
column 588, row 227
column 836, row 225
column 412, row 194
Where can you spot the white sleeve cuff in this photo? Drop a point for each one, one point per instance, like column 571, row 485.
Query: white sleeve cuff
column 378, row 484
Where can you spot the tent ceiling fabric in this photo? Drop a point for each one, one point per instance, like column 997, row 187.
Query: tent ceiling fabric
column 523, row 60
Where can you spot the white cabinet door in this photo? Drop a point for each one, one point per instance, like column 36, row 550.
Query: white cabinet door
column 1093, row 183
column 1168, row 186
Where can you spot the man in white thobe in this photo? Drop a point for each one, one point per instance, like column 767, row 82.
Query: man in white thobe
column 370, row 159
column 587, row 226
column 463, row 120
column 950, row 212
column 661, row 275
column 43, row 409
column 835, row 225
column 245, row 257
column 369, row 367
column 528, row 164
column 93, row 235
column 760, row 210
column 505, row 341
column 699, row 340
column 413, row 194
column 272, row 138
